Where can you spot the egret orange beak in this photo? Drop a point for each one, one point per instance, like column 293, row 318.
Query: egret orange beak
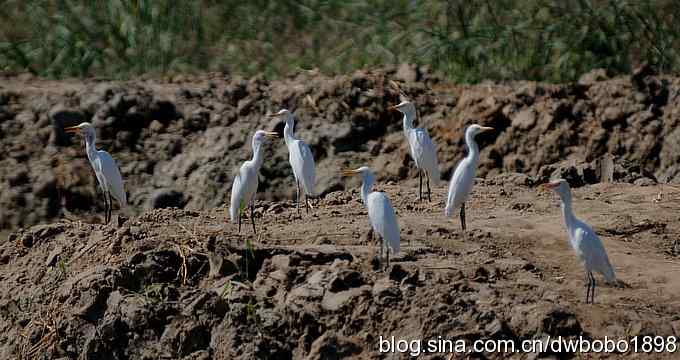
column 72, row 130
column 274, row 115
column 271, row 134
column 486, row 128
column 393, row 108
column 347, row 173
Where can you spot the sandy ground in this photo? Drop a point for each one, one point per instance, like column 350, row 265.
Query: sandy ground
column 147, row 285
column 515, row 254
column 525, row 223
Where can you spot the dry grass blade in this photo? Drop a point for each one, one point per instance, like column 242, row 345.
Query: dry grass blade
column 182, row 272
column 50, row 336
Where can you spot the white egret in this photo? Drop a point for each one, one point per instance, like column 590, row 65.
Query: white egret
column 588, row 247
column 105, row 168
column 380, row 212
column 244, row 187
column 300, row 158
column 422, row 149
column 464, row 176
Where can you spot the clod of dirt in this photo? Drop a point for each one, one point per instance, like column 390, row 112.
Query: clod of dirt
column 333, row 346
column 171, row 139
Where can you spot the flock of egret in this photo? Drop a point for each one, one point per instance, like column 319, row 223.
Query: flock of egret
column 381, row 214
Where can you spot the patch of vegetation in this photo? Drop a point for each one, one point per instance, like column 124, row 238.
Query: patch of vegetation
column 63, row 269
column 467, row 41
column 150, row 293
column 226, row 290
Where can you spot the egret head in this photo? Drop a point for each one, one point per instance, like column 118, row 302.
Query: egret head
column 405, row 107
column 359, row 171
column 280, row 113
column 286, row 115
column 364, row 171
column 475, row 129
column 262, row 136
column 559, row 186
column 86, row 129
column 366, row 177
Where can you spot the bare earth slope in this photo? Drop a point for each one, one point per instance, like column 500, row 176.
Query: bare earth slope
column 169, row 278
column 178, row 141
column 176, row 283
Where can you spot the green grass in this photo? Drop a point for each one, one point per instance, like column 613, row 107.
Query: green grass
column 468, row 41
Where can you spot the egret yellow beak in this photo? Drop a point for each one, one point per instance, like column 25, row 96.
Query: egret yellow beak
column 486, row 128
column 274, row 115
column 393, row 108
column 72, row 130
column 346, row 173
column 271, row 134
column 549, row 186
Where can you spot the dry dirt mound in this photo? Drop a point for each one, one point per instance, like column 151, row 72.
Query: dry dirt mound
column 178, row 142
column 176, row 283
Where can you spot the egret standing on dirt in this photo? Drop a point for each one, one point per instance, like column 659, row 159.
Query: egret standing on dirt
column 300, row 158
column 422, row 149
column 584, row 241
column 380, row 212
column 244, row 187
column 105, row 169
column 463, row 177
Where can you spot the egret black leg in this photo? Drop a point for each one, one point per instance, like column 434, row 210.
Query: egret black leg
column 387, row 251
column 252, row 215
column 587, row 280
column 306, row 203
column 590, row 275
column 239, row 220
column 380, row 243
column 106, row 208
column 462, row 216
column 592, row 288
column 420, row 188
column 427, row 177
column 297, row 197
column 108, row 217
column 110, row 207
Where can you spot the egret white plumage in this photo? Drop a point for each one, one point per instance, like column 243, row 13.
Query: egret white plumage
column 300, row 158
column 244, row 187
column 422, row 149
column 105, row 168
column 463, row 177
column 587, row 245
column 380, row 212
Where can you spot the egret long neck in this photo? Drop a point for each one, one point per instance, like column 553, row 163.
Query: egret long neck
column 257, row 155
column 288, row 132
column 567, row 212
column 473, row 149
column 90, row 148
column 408, row 122
column 366, row 186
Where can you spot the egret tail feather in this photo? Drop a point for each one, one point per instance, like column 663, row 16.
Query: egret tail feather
column 236, row 200
column 610, row 275
column 435, row 176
